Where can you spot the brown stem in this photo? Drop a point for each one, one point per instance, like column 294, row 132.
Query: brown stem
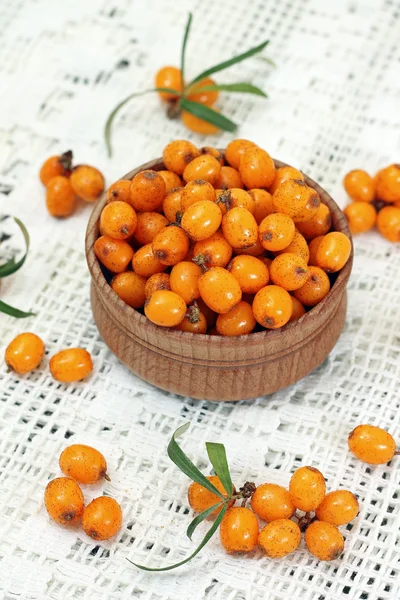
column 174, row 109
column 225, row 198
column 201, row 261
column 66, row 160
column 193, row 313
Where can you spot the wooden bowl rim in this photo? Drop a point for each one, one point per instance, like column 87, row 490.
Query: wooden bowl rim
column 98, row 276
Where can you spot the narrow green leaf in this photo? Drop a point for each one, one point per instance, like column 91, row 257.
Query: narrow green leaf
column 200, row 518
column 267, row 60
column 217, row 455
column 204, row 541
column 208, row 114
column 230, row 62
column 245, row 88
column 183, row 50
column 11, row 266
column 14, row 312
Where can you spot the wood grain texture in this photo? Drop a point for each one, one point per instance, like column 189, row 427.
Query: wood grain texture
column 214, row 367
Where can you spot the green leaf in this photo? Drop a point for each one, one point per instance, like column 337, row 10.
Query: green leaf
column 11, row 266
column 183, row 50
column 200, row 518
column 14, row 312
column 208, row 114
column 267, row 60
column 245, row 88
column 217, row 455
column 204, row 541
column 230, row 62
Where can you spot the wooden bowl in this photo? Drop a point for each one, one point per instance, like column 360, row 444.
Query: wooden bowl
column 216, row 367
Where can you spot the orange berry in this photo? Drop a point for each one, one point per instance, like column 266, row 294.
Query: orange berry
column 102, row 518
column 83, row 463
column 238, row 321
column 333, row 251
column 298, row 246
column 70, row 365
column 388, row 223
column 359, row 186
column 313, row 248
column 276, row 232
column 60, row 197
column 87, row 182
column 196, row 191
column 171, row 78
column 272, row 307
column 193, row 324
column 165, row 308
column 257, row 169
column 213, row 251
column 120, row 191
column 147, row 191
column 148, row 225
column 307, row 488
column 372, row 444
column 55, row 166
column 208, row 97
column 255, row 250
column 24, row 353
column 239, row 228
column 171, row 245
column 234, row 151
column 204, row 167
column 178, row 154
column 201, row 220
column 184, row 280
column 251, row 273
column 263, row 204
column 115, row 255
column 324, row 540
column 219, row 290
column 271, row 502
column 118, row 220
column 338, row 508
column 201, row 499
column 130, row 287
column 289, row 271
column 172, row 204
column 283, row 174
column 298, row 310
column 214, row 152
column 318, row 225
column 315, row 288
column 171, row 180
column 294, row 198
column 158, row 281
column 388, row 184
column 234, row 198
column 198, row 125
column 145, row 263
column 279, row 538
column 360, row 216
column 64, row 501
column 228, row 178
column 239, row 530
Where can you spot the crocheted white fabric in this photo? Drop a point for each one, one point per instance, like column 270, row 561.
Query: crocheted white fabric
column 333, row 105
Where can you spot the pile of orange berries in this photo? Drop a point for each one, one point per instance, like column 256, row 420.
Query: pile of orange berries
column 376, row 201
column 102, row 517
column 205, row 255
column 65, row 183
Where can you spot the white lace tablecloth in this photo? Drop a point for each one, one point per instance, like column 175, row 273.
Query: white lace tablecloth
column 334, row 105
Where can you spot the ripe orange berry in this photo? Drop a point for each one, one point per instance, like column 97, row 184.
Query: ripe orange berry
column 338, row 508
column 87, row 182
column 239, row 228
column 130, row 287
column 256, row 168
column 234, row 198
column 201, row 220
column 283, row 174
column 372, row 444
column 219, row 290
column 255, row 250
column 204, row 167
column 315, row 288
column 184, row 280
column 387, row 184
column 229, row 178
column 289, row 271
column 208, row 97
column 70, row 365
column 102, row 518
column 276, row 232
column 318, row 225
column 263, row 204
column 193, row 324
column 120, row 191
column 251, row 273
column 196, row 191
column 56, row 165
column 200, row 499
column 313, row 248
column 235, row 150
column 172, row 204
column 271, row 502
column 294, row 198
column 388, row 223
column 118, row 220
column 60, row 197
column 115, row 255
column 178, row 154
column 324, row 540
column 307, row 488
column 298, row 246
column 147, row 191
column 333, row 251
column 238, row 321
column 83, row 463
column 239, row 530
column 158, row 281
column 198, row 125
column 145, row 263
column 165, row 308
column 171, row 180
column 64, row 501
column 171, row 78
column 279, row 538
column 298, row 309
column 171, row 245
column 360, row 216
column 213, row 251
column 214, row 152
column 24, row 353
column 359, row 186
column 272, row 307
column 148, row 225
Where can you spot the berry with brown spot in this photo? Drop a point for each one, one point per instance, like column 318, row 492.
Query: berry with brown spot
column 64, row 501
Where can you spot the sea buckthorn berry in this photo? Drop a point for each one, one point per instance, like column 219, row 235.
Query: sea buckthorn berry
column 276, row 232
column 118, row 220
column 102, row 518
column 204, row 167
column 372, row 444
column 298, row 310
column 289, row 271
column 313, row 248
column 263, row 203
column 318, row 225
column 338, row 508
column 70, row 365
column 196, row 191
column 64, row 501
column 360, row 216
column 214, row 152
column 171, row 180
column 147, row 191
column 158, row 281
column 279, row 538
column 294, row 198
column 178, row 154
column 165, row 308
column 201, row 499
column 60, row 197
column 119, row 191
column 314, row 202
column 298, row 246
column 193, row 324
column 172, row 205
column 184, row 280
column 115, row 255
column 234, row 198
column 239, row 530
column 197, row 124
column 201, row 220
column 207, row 97
column 271, row 502
column 171, row 245
column 256, row 168
column 315, row 288
column 272, row 307
column 210, row 315
column 307, row 488
column 238, row 321
column 219, row 290
column 83, row 463
column 239, row 228
column 333, row 251
column 24, row 353
column 359, row 186
column 388, row 184
column 212, row 252
column 87, row 182
column 324, row 540
column 145, row 263
column 388, row 223
column 229, row 178
column 171, row 78
column 56, row 165
column 130, row 287
column 283, row 174
column 148, row 225
column 251, row 273
column 235, row 149
column 255, row 250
